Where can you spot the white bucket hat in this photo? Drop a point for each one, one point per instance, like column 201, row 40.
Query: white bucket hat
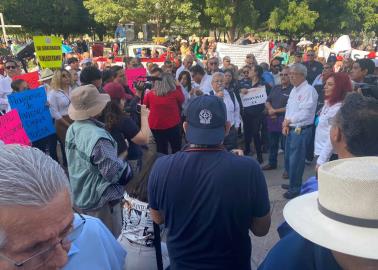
column 343, row 215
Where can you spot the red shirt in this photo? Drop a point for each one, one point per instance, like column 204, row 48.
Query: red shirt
column 165, row 111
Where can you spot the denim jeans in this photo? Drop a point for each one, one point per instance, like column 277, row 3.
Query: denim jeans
column 274, row 140
column 295, row 154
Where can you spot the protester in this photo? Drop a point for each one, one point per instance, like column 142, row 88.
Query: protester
column 59, row 100
column 253, row 115
column 276, row 107
column 232, row 109
column 19, row 85
column 314, row 68
column 186, row 86
column 212, row 66
column 333, row 225
column 97, row 175
column 219, row 197
column 92, row 75
column 123, row 129
column 322, row 77
column 335, row 90
column 226, row 64
column 11, row 69
column 75, row 82
column 297, row 126
column 39, row 229
column 267, row 75
column 165, row 101
column 45, row 78
column 198, row 75
column 250, row 60
column 361, row 68
column 231, row 85
column 138, row 236
column 186, row 65
column 275, row 68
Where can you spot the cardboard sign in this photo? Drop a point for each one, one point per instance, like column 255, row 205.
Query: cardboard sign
column 255, row 96
column 49, row 51
column 31, row 78
column 133, row 74
column 11, row 130
column 237, row 53
column 34, row 113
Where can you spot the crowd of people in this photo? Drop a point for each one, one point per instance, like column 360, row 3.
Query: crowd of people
column 169, row 173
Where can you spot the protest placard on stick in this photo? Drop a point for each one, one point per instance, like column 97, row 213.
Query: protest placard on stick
column 133, row 74
column 34, row 112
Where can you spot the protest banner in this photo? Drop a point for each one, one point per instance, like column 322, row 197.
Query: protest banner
column 34, row 113
column 358, row 54
column 132, row 75
column 11, row 130
column 49, row 51
column 255, row 96
column 31, row 79
column 237, row 53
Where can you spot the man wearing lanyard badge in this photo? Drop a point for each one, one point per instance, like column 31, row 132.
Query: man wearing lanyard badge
column 297, row 126
column 207, row 197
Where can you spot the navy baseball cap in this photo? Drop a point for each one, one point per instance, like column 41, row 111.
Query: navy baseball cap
column 206, row 116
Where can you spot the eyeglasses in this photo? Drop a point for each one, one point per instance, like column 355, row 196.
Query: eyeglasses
column 213, row 63
column 218, row 82
column 284, row 75
column 11, row 67
column 42, row 256
column 227, row 61
column 245, row 71
column 249, row 56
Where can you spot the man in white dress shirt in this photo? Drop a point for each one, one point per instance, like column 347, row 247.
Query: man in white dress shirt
column 232, row 108
column 186, row 65
column 297, row 126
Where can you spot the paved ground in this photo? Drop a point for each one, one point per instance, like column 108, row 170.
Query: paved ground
column 262, row 245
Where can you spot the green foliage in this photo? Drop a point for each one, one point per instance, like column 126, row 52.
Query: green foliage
column 292, row 17
column 47, row 16
column 363, row 15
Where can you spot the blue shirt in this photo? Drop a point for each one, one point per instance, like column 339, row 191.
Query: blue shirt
column 268, row 78
column 95, row 248
column 209, row 200
column 293, row 252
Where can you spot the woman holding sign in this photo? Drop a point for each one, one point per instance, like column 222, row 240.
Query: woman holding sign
column 253, row 97
column 59, row 101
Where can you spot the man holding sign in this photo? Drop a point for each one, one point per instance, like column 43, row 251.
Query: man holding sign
column 297, row 126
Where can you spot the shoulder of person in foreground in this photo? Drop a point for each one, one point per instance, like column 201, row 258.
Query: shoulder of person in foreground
column 95, row 248
column 290, row 253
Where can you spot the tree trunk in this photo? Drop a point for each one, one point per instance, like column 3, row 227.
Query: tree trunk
column 231, row 32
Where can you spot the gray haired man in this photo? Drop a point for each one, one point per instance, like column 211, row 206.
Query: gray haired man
column 297, row 126
column 38, row 229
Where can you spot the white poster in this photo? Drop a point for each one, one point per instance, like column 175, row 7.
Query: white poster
column 237, row 53
column 255, row 96
column 358, row 54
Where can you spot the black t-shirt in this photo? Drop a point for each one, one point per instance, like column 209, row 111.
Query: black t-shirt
column 209, row 200
column 125, row 129
column 293, row 252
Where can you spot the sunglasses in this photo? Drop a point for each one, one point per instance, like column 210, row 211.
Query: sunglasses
column 245, row 71
column 11, row 67
column 249, row 56
column 213, row 63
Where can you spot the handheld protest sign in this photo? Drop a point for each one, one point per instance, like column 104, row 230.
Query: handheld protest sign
column 34, row 112
column 31, row 79
column 49, row 51
column 11, row 130
column 133, row 74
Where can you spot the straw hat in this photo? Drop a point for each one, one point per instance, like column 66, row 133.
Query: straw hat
column 343, row 215
column 86, row 102
column 46, row 74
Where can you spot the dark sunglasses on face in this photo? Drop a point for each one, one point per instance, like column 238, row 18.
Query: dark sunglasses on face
column 11, row 67
column 213, row 63
column 245, row 71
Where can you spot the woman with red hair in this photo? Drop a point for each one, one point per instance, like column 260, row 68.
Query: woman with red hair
column 336, row 88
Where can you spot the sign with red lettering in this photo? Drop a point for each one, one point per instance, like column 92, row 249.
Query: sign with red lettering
column 11, row 129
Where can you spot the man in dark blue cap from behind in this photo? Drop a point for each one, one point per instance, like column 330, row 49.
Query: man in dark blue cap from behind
column 207, row 197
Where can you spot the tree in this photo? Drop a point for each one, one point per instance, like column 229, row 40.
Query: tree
column 48, row 16
column 363, row 15
column 293, row 18
column 232, row 15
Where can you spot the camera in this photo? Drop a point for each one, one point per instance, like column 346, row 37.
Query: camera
column 147, row 82
column 369, row 88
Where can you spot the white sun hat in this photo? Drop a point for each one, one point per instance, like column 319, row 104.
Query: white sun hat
column 343, row 215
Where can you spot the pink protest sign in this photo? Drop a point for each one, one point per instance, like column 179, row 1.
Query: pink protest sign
column 11, row 130
column 133, row 74
column 31, row 78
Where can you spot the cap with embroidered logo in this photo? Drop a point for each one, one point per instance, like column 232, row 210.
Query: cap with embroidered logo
column 206, row 116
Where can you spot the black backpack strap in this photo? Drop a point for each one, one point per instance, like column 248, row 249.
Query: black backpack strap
column 157, row 244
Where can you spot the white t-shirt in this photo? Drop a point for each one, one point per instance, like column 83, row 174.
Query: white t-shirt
column 137, row 223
